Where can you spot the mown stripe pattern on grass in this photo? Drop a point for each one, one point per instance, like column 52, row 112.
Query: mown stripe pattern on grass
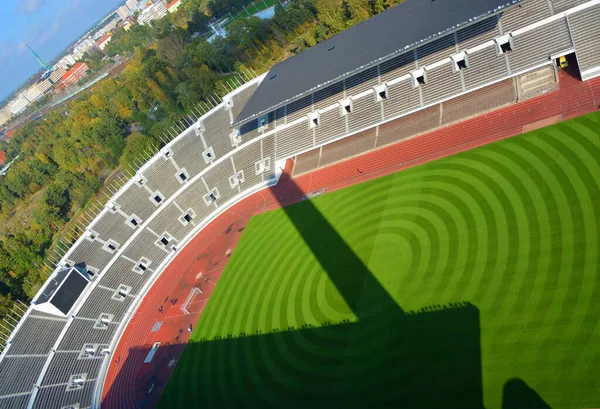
column 506, row 235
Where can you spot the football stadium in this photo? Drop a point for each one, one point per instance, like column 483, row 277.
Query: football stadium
column 404, row 215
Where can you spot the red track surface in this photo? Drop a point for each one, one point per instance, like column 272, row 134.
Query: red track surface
column 129, row 379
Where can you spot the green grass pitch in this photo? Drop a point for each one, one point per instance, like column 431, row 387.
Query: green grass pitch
column 469, row 282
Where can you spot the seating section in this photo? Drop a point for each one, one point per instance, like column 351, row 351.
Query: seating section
column 478, row 102
column 29, row 366
column 408, row 126
column 298, row 108
column 363, row 81
column 341, row 120
column 527, row 51
column 27, row 339
column 216, row 132
column 477, row 33
column 161, row 176
column 441, row 82
column 103, row 296
column 122, row 274
column 436, row 50
column 113, row 226
column 138, row 200
column 14, row 401
column 558, row 6
column 187, row 151
column 65, row 364
column 145, row 246
column 82, row 332
column 307, row 161
column 332, row 125
column 241, row 98
column 402, row 97
column 56, row 396
column 91, row 253
column 329, row 96
column 526, row 13
column 366, row 112
column 348, row 147
column 293, row 139
column 585, row 30
column 485, row 65
column 244, row 161
column 397, row 66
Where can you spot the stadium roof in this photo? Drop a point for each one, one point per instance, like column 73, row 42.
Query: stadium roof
column 62, row 291
column 365, row 44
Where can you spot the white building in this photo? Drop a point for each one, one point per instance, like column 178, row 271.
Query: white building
column 65, row 62
column 18, row 105
column 82, row 47
column 123, row 12
column 33, row 93
column 153, row 12
column 44, row 86
column 58, row 73
column 5, row 115
column 103, row 41
column 173, row 6
column 132, row 4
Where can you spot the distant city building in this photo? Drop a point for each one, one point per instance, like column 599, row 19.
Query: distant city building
column 127, row 25
column 18, row 105
column 44, row 86
column 107, row 28
column 132, row 4
column 74, row 74
column 103, row 41
column 123, row 12
column 82, row 48
column 5, row 115
column 153, row 12
column 58, row 73
column 43, row 63
column 173, row 6
column 66, row 62
column 36, row 77
column 33, row 93
column 112, row 24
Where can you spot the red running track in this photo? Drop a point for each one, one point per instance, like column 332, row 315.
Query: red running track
column 132, row 384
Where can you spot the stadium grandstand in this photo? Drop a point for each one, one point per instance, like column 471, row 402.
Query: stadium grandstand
column 411, row 69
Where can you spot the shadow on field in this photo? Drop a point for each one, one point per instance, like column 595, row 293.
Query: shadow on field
column 389, row 357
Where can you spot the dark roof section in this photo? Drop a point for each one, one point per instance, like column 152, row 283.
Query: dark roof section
column 52, row 285
column 383, row 35
column 64, row 288
column 69, row 291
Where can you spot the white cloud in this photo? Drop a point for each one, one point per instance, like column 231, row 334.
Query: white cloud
column 45, row 36
column 30, row 6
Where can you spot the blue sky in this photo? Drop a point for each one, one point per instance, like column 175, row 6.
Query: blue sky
column 48, row 26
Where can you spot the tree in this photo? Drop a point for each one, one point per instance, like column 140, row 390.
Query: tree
column 297, row 13
column 198, row 22
column 58, row 200
column 247, row 33
column 135, row 145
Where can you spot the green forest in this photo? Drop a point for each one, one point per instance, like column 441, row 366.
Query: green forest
column 68, row 156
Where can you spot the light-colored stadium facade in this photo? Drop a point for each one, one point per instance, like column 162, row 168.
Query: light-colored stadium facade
column 54, row 361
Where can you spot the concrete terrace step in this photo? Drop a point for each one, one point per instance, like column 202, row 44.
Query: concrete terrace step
column 536, row 83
